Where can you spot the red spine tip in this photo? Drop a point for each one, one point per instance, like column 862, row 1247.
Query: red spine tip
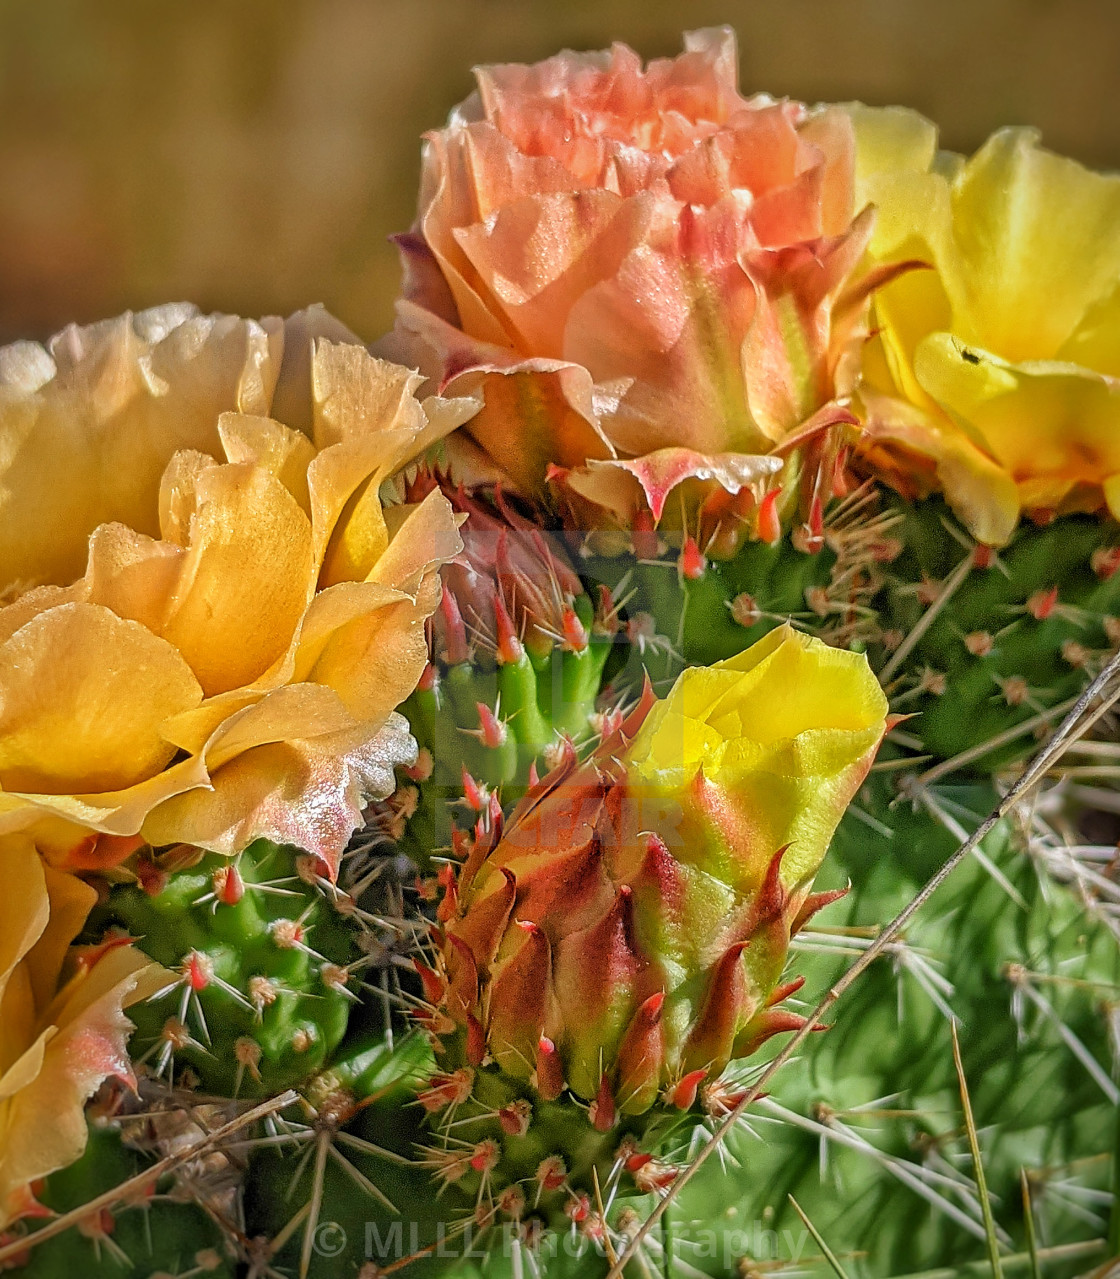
column 769, row 525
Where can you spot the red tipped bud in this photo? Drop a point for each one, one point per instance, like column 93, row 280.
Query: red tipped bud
column 549, row 1071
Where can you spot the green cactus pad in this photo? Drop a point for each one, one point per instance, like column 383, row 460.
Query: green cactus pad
column 258, row 995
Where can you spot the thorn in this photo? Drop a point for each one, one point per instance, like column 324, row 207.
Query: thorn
column 1042, row 604
column 683, row 1093
column 769, row 525
column 601, row 1112
column 575, row 638
column 691, row 564
column 492, row 731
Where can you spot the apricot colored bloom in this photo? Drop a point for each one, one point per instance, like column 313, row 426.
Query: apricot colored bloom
column 230, row 669
column 995, row 376
column 62, row 1026
column 649, row 276
column 636, row 910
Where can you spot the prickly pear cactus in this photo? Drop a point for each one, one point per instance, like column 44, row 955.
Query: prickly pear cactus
column 977, row 643
column 867, row 1135
column 261, row 960
column 690, row 602
column 517, row 653
column 606, row 953
column 158, row 1231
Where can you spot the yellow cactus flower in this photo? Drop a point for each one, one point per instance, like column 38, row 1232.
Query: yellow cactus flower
column 762, row 751
column 62, row 1025
column 995, row 376
column 236, row 675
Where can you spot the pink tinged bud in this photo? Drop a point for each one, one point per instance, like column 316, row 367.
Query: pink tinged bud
column 549, row 1070
column 979, row 643
column 484, row 1157
column 492, row 731
column 509, row 649
column 650, row 1174
column 429, row 682
column 983, row 556
column 641, row 1057
column 602, row 1112
column 682, row 1094
column 578, row 1208
column 574, row 632
column 455, row 649
column 769, row 525
column 551, row 1173
column 1105, row 561
column 1041, row 604
column 511, row 1202
column 726, row 1006
column 744, row 610
column 691, row 565
column 534, row 776
column 519, row 1001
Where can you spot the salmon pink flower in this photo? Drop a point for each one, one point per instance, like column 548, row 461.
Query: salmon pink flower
column 651, row 278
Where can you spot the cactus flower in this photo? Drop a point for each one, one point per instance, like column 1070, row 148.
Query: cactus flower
column 231, row 668
column 627, row 930
column 650, row 277
column 994, row 376
column 62, row 1026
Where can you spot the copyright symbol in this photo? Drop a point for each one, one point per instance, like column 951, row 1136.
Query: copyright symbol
column 329, row 1239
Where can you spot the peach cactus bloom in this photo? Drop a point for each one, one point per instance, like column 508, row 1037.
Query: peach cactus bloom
column 62, row 1025
column 236, row 675
column 995, row 375
column 650, row 277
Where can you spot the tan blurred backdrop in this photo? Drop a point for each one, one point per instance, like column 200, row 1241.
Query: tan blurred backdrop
column 252, row 155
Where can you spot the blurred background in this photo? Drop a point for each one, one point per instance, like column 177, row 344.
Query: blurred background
column 253, row 155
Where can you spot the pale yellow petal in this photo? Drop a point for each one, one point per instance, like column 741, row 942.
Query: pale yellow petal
column 245, row 580
column 82, row 695
column 86, row 431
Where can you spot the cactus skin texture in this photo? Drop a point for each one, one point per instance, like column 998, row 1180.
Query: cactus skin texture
column 517, row 654
column 260, row 955
column 156, row 1234
column 693, row 602
column 1025, row 630
column 884, row 1070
